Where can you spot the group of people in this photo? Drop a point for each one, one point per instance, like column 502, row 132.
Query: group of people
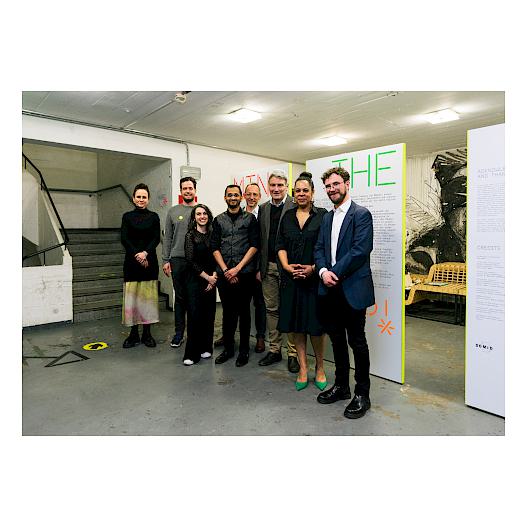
column 306, row 270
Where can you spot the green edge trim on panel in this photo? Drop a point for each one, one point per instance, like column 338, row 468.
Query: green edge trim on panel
column 403, row 314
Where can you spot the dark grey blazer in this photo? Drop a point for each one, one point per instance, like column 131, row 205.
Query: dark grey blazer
column 264, row 219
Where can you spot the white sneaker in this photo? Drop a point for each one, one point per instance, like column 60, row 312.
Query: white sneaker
column 206, row 355
column 188, row 362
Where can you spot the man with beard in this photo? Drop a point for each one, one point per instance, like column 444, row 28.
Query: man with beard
column 252, row 197
column 175, row 264
column 342, row 259
column 234, row 243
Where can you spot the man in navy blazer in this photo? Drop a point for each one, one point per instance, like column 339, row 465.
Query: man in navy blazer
column 342, row 259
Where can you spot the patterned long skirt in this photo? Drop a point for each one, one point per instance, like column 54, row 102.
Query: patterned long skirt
column 140, row 303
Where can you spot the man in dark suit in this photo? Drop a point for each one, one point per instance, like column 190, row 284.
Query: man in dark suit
column 342, row 259
column 269, row 217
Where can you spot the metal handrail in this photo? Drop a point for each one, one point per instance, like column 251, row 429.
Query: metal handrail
column 84, row 191
column 43, row 186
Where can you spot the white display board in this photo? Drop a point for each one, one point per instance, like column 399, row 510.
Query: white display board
column 485, row 318
column 377, row 182
column 260, row 177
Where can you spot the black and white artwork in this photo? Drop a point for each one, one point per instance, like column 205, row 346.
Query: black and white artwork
column 436, row 230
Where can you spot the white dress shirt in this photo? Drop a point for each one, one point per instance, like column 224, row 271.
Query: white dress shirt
column 338, row 218
column 255, row 211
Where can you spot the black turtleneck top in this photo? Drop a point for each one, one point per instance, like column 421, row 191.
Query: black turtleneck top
column 140, row 231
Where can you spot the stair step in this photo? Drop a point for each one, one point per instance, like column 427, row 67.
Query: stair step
column 114, row 296
column 83, row 274
column 94, row 287
column 92, row 305
column 94, row 235
column 85, row 249
column 98, row 314
column 99, row 260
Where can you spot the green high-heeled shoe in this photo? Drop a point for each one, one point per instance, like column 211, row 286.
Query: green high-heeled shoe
column 301, row 385
column 321, row 385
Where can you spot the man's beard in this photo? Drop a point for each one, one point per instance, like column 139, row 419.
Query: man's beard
column 341, row 199
column 188, row 200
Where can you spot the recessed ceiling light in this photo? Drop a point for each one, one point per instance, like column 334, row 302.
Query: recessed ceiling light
column 244, row 116
column 443, row 116
column 334, row 140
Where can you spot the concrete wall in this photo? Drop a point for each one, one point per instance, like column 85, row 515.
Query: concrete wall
column 47, row 294
column 66, row 168
column 30, row 193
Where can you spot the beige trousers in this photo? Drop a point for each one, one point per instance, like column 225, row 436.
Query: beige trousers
column 271, row 292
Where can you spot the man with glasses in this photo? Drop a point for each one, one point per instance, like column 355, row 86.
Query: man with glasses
column 235, row 240
column 342, row 259
column 269, row 217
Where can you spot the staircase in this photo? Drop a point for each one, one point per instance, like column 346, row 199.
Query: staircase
column 98, row 257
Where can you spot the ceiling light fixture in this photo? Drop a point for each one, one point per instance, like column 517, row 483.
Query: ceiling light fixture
column 244, row 116
column 443, row 116
column 334, row 140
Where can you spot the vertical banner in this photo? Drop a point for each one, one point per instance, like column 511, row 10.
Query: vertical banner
column 485, row 319
column 260, row 177
column 377, row 182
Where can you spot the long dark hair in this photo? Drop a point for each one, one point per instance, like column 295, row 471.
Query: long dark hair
column 193, row 224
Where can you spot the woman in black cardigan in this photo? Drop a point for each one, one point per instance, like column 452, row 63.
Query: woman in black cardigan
column 140, row 235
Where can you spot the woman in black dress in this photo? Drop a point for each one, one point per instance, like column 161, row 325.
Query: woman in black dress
column 140, row 235
column 299, row 283
column 201, row 287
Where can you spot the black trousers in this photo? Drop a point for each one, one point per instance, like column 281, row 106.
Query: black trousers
column 260, row 315
column 180, row 277
column 344, row 326
column 236, row 303
column 200, row 319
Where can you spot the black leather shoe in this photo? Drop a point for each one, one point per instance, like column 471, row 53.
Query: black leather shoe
column 131, row 341
column 334, row 394
column 292, row 364
column 148, row 341
column 224, row 356
column 242, row 359
column 270, row 358
column 358, row 407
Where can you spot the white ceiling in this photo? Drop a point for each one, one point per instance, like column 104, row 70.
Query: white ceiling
column 291, row 121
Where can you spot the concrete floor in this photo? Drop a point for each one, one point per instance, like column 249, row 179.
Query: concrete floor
column 144, row 391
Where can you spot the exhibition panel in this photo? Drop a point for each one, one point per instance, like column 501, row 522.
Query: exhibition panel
column 485, row 334
column 377, row 182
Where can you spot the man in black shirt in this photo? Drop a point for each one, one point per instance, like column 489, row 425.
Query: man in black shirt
column 235, row 241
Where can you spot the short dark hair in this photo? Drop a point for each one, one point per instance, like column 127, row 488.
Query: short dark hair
column 306, row 176
column 233, row 186
column 141, row 186
column 193, row 224
column 336, row 170
column 188, row 178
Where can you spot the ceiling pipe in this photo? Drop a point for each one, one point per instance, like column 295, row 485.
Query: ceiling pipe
column 29, row 113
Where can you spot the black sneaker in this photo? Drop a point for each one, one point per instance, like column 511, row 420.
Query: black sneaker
column 177, row 340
